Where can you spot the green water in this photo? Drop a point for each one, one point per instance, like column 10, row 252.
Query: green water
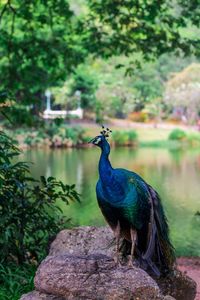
column 174, row 174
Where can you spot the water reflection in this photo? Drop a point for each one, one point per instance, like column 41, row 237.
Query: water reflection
column 175, row 174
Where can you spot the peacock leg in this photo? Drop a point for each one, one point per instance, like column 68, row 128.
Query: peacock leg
column 133, row 240
column 117, row 231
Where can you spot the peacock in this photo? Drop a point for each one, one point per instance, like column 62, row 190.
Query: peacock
column 133, row 210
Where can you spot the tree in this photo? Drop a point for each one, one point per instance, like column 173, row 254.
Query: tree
column 38, row 47
column 115, row 94
column 147, row 83
column 84, row 81
column 183, row 92
column 42, row 42
column 117, row 98
column 151, row 28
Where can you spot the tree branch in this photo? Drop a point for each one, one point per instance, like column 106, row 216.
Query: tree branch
column 3, row 11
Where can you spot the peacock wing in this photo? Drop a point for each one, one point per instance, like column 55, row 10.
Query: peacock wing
column 106, row 208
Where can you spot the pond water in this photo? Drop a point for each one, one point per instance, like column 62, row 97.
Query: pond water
column 174, row 174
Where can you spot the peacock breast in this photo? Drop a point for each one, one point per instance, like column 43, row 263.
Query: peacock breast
column 116, row 193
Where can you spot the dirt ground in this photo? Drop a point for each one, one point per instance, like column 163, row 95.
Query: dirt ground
column 191, row 266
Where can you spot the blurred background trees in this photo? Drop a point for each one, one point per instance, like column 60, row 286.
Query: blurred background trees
column 182, row 93
column 42, row 44
column 84, row 81
column 38, row 46
column 149, row 28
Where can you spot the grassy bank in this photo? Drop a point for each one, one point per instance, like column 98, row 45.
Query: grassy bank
column 51, row 136
column 151, row 137
column 60, row 135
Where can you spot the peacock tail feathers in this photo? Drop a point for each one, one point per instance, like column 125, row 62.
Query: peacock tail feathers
column 165, row 250
column 159, row 257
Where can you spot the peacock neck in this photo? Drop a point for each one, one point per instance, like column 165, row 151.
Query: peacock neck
column 105, row 168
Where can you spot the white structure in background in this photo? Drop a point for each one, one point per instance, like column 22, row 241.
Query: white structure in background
column 53, row 114
column 48, row 97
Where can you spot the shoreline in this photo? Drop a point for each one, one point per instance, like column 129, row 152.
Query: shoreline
column 125, row 134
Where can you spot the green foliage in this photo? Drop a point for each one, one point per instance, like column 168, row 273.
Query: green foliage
column 177, row 134
column 118, row 95
column 70, row 30
column 150, row 28
column 85, row 82
column 168, row 64
column 21, row 115
column 124, row 138
column 29, row 215
column 193, row 139
column 16, row 280
column 63, row 135
column 147, row 83
column 52, row 134
column 26, row 32
column 75, row 134
column 115, row 94
column 33, row 138
column 99, row 109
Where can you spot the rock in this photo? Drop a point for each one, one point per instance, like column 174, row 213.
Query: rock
column 96, row 240
column 80, row 266
column 191, row 267
column 35, row 295
column 83, row 241
column 178, row 285
column 93, row 277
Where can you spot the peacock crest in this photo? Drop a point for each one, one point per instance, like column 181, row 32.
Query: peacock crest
column 105, row 131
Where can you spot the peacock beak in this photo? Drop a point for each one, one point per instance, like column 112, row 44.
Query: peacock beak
column 91, row 141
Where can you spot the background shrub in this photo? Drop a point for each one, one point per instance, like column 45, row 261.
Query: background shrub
column 193, row 139
column 138, row 116
column 177, row 134
column 124, row 138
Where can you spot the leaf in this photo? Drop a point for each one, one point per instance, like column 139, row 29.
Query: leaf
column 43, row 180
column 63, row 186
column 3, row 96
column 50, row 179
column 119, row 66
column 28, row 212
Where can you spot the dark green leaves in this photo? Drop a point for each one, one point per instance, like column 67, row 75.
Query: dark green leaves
column 38, row 47
column 29, row 211
column 137, row 26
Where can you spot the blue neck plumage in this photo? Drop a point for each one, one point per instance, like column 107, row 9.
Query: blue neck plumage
column 105, row 168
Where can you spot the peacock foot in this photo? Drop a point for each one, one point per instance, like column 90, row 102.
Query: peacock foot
column 132, row 262
column 117, row 261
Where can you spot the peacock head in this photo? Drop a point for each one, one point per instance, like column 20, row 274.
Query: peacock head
column 101, row 140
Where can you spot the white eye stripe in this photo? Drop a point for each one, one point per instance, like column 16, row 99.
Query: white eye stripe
column 97, row 141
